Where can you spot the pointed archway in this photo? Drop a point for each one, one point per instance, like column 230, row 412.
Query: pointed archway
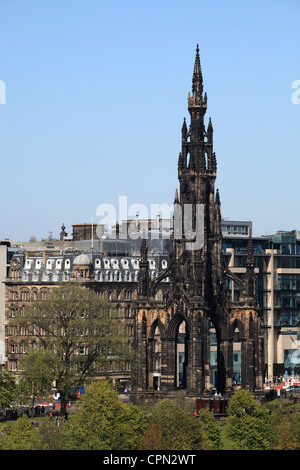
column 179, row 337
column 181, row 355
column 156, row 339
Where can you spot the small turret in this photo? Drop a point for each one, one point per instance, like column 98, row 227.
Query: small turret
column 209, row 132
column 143, row 288
column 184, row 131
column 176, row 198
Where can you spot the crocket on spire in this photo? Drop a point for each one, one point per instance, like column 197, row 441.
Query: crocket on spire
column 197, row 76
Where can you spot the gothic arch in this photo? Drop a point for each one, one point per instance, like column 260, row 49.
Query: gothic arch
column 240, row 326
column 154, row 283
column 155, row 353
column 178, row 336
column 157, row 324
column 175, row 324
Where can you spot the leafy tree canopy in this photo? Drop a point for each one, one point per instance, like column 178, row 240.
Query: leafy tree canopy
column 103, row 422
column 8, row 388
column 22, row 436
column 83, row 331
column 37, row 375
column 248, row 423
column 180, row 429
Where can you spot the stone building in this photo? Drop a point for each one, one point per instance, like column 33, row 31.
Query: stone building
column 86, row 231
column 7, row 252
column 277, row 272
column 113, row 276
column 176, row 301
column 208, row 307
column 172, row 334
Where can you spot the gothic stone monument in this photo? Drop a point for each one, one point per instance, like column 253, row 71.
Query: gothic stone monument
column 172, row 335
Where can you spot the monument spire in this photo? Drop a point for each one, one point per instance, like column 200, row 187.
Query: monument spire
column 197, row 76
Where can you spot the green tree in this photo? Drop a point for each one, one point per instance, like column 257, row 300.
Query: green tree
column 52, row 436
column 37, row 374
column 22, row 436
column 180, row 429
column 284, row 411
column 211, row 435
column 286, row 438
column 152, row 438
column 83, row 331
column 248, row 423
column 295, row 424
column 8, row 389
column 103, row 422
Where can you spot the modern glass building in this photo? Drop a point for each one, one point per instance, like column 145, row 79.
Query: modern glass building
column 277, row 259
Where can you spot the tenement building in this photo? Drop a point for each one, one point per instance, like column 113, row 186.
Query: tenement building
column 6, row 254
column 112, row 273
column 207, row 305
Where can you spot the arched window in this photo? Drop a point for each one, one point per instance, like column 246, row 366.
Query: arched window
column 159, row 295
column 236, row 358
column 181, row 355
column 156, row 359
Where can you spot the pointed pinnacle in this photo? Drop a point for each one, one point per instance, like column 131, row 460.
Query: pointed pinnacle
column 197, row 66
column 176, row 199
column 197, row 75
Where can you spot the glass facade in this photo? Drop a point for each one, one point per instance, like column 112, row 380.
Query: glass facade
column 277, row 262
column 235, row 229
column 237, row 367
column 287, row 299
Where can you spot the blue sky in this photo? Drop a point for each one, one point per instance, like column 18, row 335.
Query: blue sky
column 95, row 96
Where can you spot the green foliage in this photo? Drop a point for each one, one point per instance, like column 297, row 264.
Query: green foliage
column 37, row 373
column 22, row 436
column 248, row 423
column 241, row 403
column 174, row 422
column 211, row 434
column 180, row 429
column 152, row 438
column 83, row 331
column 8, row 389
column 294, row 420
column 103, row 422
column 52, row 436
column 288, row 412
column 286, row 439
